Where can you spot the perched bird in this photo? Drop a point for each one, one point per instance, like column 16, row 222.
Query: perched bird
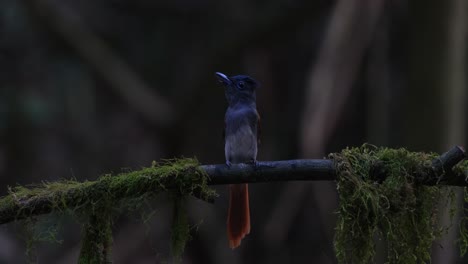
column 240, row 146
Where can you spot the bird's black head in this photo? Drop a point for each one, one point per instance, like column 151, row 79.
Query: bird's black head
column 239, row 89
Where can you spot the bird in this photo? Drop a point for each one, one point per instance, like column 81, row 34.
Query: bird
column 241, row 138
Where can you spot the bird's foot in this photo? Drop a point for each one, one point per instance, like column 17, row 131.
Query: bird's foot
column 254, row 163
column 228, row 163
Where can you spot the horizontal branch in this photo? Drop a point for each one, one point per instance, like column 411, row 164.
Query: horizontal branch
column 270, row 171
column 324, row 170
column 186, row 176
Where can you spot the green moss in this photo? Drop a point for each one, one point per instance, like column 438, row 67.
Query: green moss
column 95, row 202
column 29, row 236
column 182, row 175
column 180, row 228
column 462, row 169
column 97, row 239
column 393, row 208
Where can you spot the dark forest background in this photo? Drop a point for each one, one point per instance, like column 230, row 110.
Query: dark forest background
column 94, row 87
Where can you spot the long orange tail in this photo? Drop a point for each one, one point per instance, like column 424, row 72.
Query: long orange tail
column 238, row 222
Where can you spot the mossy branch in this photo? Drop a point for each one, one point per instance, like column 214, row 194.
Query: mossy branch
column 378, row 183
column 188, row 177
column 392, row 194
column 182, row 176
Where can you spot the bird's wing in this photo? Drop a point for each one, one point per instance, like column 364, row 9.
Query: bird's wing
column 259, row 130
column 254, row 119
column 224, row 130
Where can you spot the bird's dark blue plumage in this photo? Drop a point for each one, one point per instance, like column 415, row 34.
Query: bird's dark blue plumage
column 241, row 119
column 240, row 146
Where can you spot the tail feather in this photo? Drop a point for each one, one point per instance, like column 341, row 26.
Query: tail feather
column 238, row 223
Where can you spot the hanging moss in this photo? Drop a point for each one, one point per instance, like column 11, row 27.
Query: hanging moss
column 30, row 238
column 180, row 228
column 97, row 238
column 393, row 208
column 462, row 169
column 380, row 198
column 94, row 202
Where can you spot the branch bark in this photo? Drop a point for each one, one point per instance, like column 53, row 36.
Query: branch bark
column 77, row 195
column 270, row 171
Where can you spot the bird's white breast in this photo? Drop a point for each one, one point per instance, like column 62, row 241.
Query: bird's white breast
column 241, row 146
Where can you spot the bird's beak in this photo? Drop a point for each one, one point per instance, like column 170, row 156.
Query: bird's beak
column 222, row 78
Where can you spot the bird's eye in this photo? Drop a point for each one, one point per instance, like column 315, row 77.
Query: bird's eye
column 241, row 85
